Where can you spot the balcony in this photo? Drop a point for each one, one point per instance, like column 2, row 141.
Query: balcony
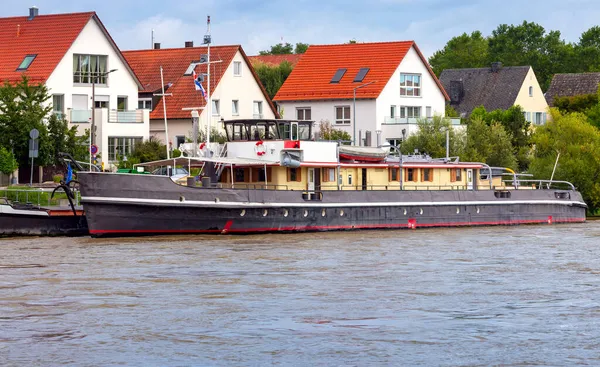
column 413, row 120
column 126, row 117
column 80, row 116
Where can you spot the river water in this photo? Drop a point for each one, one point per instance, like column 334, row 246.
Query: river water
column 512, row 296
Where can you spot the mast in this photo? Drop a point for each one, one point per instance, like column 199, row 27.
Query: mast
column 207, row 40
column 162, row 82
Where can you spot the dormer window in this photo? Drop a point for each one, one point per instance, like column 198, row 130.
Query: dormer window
column 338, row 75
column 26, row 62
column 361, row 74
column 90, row 69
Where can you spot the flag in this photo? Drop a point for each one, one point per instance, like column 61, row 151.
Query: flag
column 69, row 173
column 198, row 85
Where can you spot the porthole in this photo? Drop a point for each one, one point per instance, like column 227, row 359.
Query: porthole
column 404, row 212
column 421, row 211
column 477, row 210
column 265, row 212
column 305, row 213
column 217, row 200
column 243, row 212
column 182, row 199
column 323, row 212
column 285, row 212
column 457, row 210
column 342, row 213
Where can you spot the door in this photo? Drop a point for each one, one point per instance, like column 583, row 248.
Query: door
column 364, row 178
column 318, row 179
column 311, row 179
column 469, row 179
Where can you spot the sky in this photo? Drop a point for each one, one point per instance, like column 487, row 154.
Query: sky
column 257, row 25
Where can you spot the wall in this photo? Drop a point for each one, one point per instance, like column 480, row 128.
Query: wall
column 536, row 103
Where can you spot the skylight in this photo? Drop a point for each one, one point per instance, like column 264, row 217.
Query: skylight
column 338, row 75
column 26, row 62
column 361, row 74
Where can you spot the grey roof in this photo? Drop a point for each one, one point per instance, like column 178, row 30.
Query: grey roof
column 483, row 87
column 568, row 85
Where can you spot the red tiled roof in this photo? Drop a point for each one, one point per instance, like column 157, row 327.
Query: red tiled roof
column 175, row 61
column 276, row 59
column 310, row 79
column 47, row 36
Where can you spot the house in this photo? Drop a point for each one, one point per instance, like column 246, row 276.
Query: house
column 496, row 87
column 569, row 85
column 76, row 58
column 275, row 60
column 235, row 90
column 374, row 91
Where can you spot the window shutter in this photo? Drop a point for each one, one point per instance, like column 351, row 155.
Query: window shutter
column 289, row 174
column 452, row 175
column 299, row 174
column 431, row 175
column 423, row 174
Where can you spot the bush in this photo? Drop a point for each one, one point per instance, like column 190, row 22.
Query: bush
column 57, row 178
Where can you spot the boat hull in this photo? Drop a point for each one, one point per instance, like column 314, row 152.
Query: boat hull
column 41, row 222
column 120, row 205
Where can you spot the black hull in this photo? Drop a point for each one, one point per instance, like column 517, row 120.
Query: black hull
column 118, row 205
column 35, row 225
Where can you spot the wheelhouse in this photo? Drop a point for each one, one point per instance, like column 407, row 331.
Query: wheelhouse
column 259, row 130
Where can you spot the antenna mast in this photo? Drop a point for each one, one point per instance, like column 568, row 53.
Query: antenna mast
column 207, row 41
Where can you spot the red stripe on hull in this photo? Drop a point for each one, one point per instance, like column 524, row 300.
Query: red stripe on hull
column 325, row 228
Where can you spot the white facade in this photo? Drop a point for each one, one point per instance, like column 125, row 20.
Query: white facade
column 531, row 99
column 120, row 85
column 234, row 86
column 373, row 115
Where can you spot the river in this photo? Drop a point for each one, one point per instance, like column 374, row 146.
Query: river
column 512, row 296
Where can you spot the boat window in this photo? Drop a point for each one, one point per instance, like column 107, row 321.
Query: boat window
column 350, row 179
column 240, row 132
column 294, row 131
column 272, row 132
column 303, row 132
column 284, row 130
column 257, row 132
column 229, row 131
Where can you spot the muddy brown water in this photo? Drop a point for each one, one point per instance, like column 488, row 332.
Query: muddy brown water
column 527, row 295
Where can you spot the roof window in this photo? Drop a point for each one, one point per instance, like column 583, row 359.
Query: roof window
column 338, row 75
column 26, row 62
column 361, row 74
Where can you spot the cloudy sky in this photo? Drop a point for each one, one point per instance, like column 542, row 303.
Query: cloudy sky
column 258, row 24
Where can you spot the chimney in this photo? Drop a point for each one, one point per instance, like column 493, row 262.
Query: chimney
column 33, row 12
column 496, row 66
column 456, row 91
column 157, row 45
column 189, row 44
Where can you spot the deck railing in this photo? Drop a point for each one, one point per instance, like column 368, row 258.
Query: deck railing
column 38, row 198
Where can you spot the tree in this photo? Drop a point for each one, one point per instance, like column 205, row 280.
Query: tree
column 328, row 132
column 489, row 143
column 578, row 143
column 431, row 138
column 279, row 49
column 8, row 163
column 149, row 150
column 64, row 139
column 464, row 51
column 588, row 50
column 301, row 48
column 272, row 77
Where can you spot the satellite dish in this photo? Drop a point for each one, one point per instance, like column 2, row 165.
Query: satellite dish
column 34, row 134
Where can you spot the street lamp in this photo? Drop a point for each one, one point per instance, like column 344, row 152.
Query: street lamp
column 93, row 129
column 354, row 109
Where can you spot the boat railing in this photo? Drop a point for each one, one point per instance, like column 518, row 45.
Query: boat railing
column 540, row 184
column 37, row 198
column 246, row 186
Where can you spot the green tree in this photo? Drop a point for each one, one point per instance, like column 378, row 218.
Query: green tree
column 272, row 77
column 588, row 50
column 64, row 139
column 328, row 132
column 8, row 163
column 301, row 48
column 578, row 143
column 489, row 143
column 431, row 138
column 464, row 51
column 279, row 49
column 149, row 150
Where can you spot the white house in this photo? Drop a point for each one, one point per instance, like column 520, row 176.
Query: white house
column 365, row 89
column 235, row 90
column 68, row 52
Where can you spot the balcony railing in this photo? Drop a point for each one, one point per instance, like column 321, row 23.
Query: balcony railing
column 414, row 120
column 80, row 116
column 126, row 117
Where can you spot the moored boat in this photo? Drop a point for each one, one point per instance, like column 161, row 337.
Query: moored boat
column 271, row 177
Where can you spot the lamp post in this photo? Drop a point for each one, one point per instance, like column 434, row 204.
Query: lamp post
column 93, row 128
column 354, row 110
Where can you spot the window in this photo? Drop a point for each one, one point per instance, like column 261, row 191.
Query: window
column 342, row 115
column 392, row 111
column 121, row 103
column 257, row 110
column 455, row 174
column 328, row 174
column 235, row 111
column 410, row 112
column 215, row 107
column 350, row 179
column 528, row 116
column 237, row 68
column 410, row 85
column 394, row 143
column 258, row 174
column 90, row 68
column 394, row 174
column 58, row 105
column 294, row 175
column 145, row 104
column 361, row 74
column 539, row 118
column 179, row 139
column 240, row 175
column 26, row 62
column 410, row 175
column 303, row 113
column 121, row 147
column 426, row 174
column 338, row 75
column 530, row 91
column 428, row 111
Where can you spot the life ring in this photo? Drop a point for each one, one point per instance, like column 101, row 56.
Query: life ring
column 260, row 148
column 202, row 145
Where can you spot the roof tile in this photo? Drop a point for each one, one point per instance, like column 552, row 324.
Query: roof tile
column 569, row 85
